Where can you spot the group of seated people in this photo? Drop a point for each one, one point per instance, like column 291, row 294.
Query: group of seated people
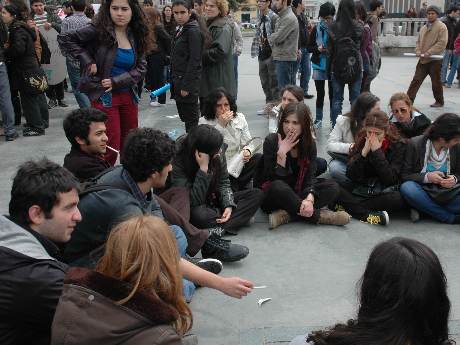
column 131, row 232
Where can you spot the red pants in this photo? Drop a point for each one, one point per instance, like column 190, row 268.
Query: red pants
column 122, row 117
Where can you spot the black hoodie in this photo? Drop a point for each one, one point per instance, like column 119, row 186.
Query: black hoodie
column 3, row 40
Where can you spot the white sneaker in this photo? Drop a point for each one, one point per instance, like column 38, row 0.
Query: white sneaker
column 156, row 104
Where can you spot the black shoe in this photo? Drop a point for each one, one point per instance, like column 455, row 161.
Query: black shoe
column 223, row 250
column 62, row 104
column 11, row 137
column 33, row 132
column 378, row 218
column 307, row 96
column 211, row 265
column 52, row 104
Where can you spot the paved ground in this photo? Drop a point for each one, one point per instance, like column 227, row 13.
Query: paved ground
column 310, row 271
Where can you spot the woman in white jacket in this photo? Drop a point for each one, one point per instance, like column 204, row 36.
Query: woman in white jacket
column 220, row 112
column 343, row 135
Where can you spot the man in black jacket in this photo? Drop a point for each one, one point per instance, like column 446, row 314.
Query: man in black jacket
column 43, row 212
column 85, row 129
column 450, row 58
column 6, row 106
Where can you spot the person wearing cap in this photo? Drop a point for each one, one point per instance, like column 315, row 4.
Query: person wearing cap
column 432, row 40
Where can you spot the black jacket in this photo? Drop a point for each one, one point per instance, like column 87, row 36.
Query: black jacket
column 31, row 280
column 303, row 31
column 418, row 124
column 386, row 167
column 83, row 165
column 3, row 40
column 186, row 63
column 452, row 32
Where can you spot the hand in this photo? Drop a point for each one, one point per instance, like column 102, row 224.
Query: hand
column 225, row 216
column 435, row 177
column 235, row 286
column 225, row 118
column 306, row 208
column 184, row 93
column 107, row 83
column 246, row 155
column 6, row 45
column 47, row 26
column 288, row 143
column 426, row 54
column 203, row 160
column 375, row 143
column 92, row 69
column 366, row 148
column 448, row 182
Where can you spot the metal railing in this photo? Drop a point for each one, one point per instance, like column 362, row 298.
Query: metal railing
column 401, row 26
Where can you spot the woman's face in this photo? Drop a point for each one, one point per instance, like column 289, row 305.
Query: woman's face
column 181, row 14
column 379, row 133
column 121, row 13
column 212, row 11
column 222, row 106
column 402, row 111
column 7, row 17
column 291, row 124
column 168, row 12
column 288, row 98
column 376, row 107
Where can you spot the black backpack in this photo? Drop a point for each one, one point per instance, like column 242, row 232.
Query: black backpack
column 347, row 62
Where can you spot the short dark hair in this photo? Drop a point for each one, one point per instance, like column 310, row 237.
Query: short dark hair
column 296, row 3
column 297, row 92
column 145, row 152
column 452, row 8
column 446, row 126
column 374, row 4
column 34, row 1
column 77, row 123
column 148, row 2
column 78, row 5
column 39, row 183
column 209, row 109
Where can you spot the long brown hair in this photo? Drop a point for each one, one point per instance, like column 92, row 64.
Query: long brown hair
column 142, row 251
column 153, row 18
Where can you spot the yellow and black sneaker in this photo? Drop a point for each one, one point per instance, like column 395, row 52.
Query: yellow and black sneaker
column 378, row 218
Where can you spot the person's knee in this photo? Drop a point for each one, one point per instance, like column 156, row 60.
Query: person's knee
column 408, row 189
column 201, row 217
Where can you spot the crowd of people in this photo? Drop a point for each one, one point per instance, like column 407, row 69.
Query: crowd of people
column 96, row 251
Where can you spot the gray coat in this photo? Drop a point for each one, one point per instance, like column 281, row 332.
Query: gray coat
column 285, row 40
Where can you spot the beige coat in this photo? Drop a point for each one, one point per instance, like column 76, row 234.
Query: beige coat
column 432, row 40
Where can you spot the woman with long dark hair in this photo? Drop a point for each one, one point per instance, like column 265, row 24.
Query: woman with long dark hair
column 342, row 137
column 366, row 42
column 409, row 121
column 288, row 176
column 168, row 20
column 200, row 166
column 112, row 52
column 402, row 300
column 432, row 168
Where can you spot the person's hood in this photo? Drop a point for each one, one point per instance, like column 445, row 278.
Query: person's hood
column 414, row 114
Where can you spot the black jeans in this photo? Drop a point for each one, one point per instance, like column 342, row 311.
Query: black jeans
column 56, row 92
column 16, row 100
column 280, row 195
column 35, row 111
column 320, row 86
column 321, row 166
column 154, row 78
column 247, row 173
column 189, row 113
column 247, row 203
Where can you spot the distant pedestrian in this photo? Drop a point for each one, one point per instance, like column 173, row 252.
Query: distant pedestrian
column 423, row 10
column 450, row 58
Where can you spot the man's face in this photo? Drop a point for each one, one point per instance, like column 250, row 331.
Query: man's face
column 277, row 5
column 96, row 143
column 64, row 217
column 380, row 10
column 455, row 14
column 263, row 5
column 431, row 16
column 159, row 178
column 38, row 8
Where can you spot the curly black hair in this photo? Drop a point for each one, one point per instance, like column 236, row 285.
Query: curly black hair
column 38, row 183
column 446, row 126
column 209, row 109
column 77, row 123
column 146, row 151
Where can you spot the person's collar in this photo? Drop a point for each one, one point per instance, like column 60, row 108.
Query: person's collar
column 135, row 190
column 79, row 14
column 78, row 150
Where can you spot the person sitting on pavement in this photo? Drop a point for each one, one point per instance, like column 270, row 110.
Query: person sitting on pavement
column 403, row 300
column 409, row 121
column 288, row 176
column 85, row 129
column 432, row 170
column 220, row 112
column 201, row 167
column 342, row 137
column 135, row 291
column 125, row 191
column 43, row 214
column 375, row 165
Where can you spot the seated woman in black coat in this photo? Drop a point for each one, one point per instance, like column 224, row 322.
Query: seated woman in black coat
column 409, row 121
column 288, row 176
column 201, row 167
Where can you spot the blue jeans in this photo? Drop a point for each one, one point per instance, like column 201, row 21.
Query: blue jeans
column 445, row 64
column 189, row 287
column 338, row 172
column 453, row 69
column 417, row 198
column 305, row 70
column 6, row 106
column 337, row 96
column 74, row 77
column 285, row 72
column 235, row 73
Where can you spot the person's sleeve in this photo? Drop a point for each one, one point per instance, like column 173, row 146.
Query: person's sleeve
column 55, row 22
column 356, row 168
column 335, row 142
column 18, row 45
column 75, row 42
column 220, row 46
column 238, row 39
column 191, row 79
column 311, row 172
column 131, row 77
column 441, row 43
column 408, row 172
column 168, row 337
column 418, row 50
column 388, row 172
column 282, row 31
column 225, row 189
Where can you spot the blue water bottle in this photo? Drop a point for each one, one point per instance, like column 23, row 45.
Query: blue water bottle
column 161, row 90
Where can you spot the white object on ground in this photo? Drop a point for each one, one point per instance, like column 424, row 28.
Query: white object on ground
column 263, row 300
column 434, row 57
column 172, row 116
column 260, row 287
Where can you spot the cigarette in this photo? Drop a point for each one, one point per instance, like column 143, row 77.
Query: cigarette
column 112, row 149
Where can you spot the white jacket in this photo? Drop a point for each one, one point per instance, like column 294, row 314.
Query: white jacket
column 340, row 139
column 236, row 134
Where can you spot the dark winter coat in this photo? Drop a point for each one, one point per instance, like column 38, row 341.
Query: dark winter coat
column 86, row 45
column 415, row 156
column 451, row 24
column 186, row 64
column 83, row 165
column 355, row 33
column 303, row 31
column 31, row 279
column 218, row 59
column 3, row 39
column 87, row 313
column 385, row 166
column 20, row 55
column 418, row 124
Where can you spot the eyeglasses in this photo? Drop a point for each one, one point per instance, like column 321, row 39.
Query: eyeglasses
column 262, row 1
column 400, row 111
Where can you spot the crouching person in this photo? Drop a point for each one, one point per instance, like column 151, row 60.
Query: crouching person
column 432, row 171
column 43, row 213
column 134, row 295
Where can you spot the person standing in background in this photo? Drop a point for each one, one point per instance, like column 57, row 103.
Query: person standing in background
column 423, row 10
column 237, row 48
column 450, row 20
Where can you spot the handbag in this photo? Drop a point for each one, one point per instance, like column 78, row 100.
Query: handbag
column 34, row 82
column 236, row 164
column 372, row 189
column 441, row 195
